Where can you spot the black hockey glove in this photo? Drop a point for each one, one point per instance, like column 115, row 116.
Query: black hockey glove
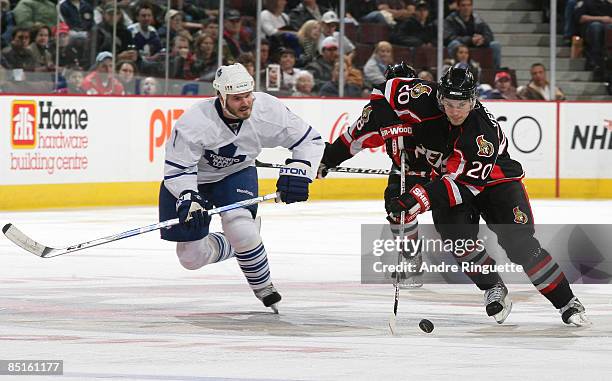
column 413, row 202
column 293, row 180
column 190, row 209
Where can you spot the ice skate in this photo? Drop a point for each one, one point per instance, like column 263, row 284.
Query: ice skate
column 412, row 279
column 269, row 297
column 498, row 302
column 574, row 313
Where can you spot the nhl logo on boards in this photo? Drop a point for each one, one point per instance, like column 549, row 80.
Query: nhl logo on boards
column 519, row 216
column 485, row 148
column 23, row 124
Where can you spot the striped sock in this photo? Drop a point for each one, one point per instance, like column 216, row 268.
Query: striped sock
column 547, row 277
column 254, row 265
column 224, row 248
column 483, row 281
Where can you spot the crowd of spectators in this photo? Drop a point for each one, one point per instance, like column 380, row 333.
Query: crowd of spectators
column 153, row 42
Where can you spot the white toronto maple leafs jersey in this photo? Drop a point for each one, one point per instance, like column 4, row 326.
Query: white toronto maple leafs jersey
column 204, row 149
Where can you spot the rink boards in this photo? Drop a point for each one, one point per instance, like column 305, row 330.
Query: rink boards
column 70, row 151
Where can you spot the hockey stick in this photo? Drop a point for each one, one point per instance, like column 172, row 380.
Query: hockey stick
column 365, row 171
column 393, row 317
column 28, row 244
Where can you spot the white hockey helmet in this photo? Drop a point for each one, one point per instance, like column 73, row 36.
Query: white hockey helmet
column 233, row 79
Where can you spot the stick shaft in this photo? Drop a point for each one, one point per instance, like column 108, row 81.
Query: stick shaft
column 365, row 171
column 27, row 243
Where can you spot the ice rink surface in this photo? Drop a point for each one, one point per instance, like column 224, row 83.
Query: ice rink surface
column 129, row 311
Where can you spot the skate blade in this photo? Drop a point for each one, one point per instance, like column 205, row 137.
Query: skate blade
column 393, row 324
column 274, row 308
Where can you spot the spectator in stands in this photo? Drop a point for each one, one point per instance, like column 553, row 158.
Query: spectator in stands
column 205, row 63
column 236, row 40
column 264, row 55
column 273, row 18
column 74, row 79
column 426, row 75
column 174, row 24
column 537, row 88
column 503, row 87
column 126, row 74
column 100, row 81
column 355, row 76
column 329, row 25
column 390, row 12
column 461, row 54
column 182, row 59
column 77, row 14
column 374, row 69
column 40, row 48
column 322, row 67
column 17, row 55
column 288, row 71
column 306, row 10
column 211, row 28
column 149, row 86
column 467, row 28
column 304, row 84
column 102, row 34
column 594, row 18
column 276, row 26
column 356, row 10
column 7, row 23
column 145, row 36
column 330, row 88
column 569, row 22
column 29, row 12
column 308, row 35
column 72, row 51
column 417, row 30
column 248, row 61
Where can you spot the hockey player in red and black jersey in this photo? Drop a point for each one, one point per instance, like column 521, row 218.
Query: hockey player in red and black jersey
column 460, row 169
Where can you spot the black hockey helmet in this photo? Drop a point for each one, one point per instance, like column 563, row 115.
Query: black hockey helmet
column 457, row 83
column 400, row 70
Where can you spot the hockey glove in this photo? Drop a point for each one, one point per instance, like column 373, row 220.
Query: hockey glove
column 413, row 202
column 324, row 165
column 190, row 210
column 293, row 180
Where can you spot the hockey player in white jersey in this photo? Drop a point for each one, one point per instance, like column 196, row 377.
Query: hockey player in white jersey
column 210, row 161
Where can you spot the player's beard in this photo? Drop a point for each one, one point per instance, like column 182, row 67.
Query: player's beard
column 241, row 112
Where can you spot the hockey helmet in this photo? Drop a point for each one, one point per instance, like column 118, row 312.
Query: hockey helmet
column 400, row 70
column 233, row 79
column 457, row 83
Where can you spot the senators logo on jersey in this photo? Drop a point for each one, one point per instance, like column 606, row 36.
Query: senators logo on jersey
column 485, row 148
column 519, row 216
column 365, row 117
column 419, row 89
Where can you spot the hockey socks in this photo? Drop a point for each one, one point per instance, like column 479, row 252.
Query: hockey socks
column 254, row 265
column 224, row 249
column 477, row 259
column 547, row 277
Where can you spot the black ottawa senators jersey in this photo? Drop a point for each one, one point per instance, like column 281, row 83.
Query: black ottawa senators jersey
column 463, row 160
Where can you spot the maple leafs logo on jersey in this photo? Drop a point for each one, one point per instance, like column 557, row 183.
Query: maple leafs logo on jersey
column 519, row 216
column 419, row 89
column 485, row 148
column 224, row 158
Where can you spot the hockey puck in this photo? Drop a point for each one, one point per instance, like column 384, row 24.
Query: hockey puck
column 426, row 326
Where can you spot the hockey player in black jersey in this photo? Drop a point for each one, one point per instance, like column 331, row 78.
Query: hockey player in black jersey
column 460, row 169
